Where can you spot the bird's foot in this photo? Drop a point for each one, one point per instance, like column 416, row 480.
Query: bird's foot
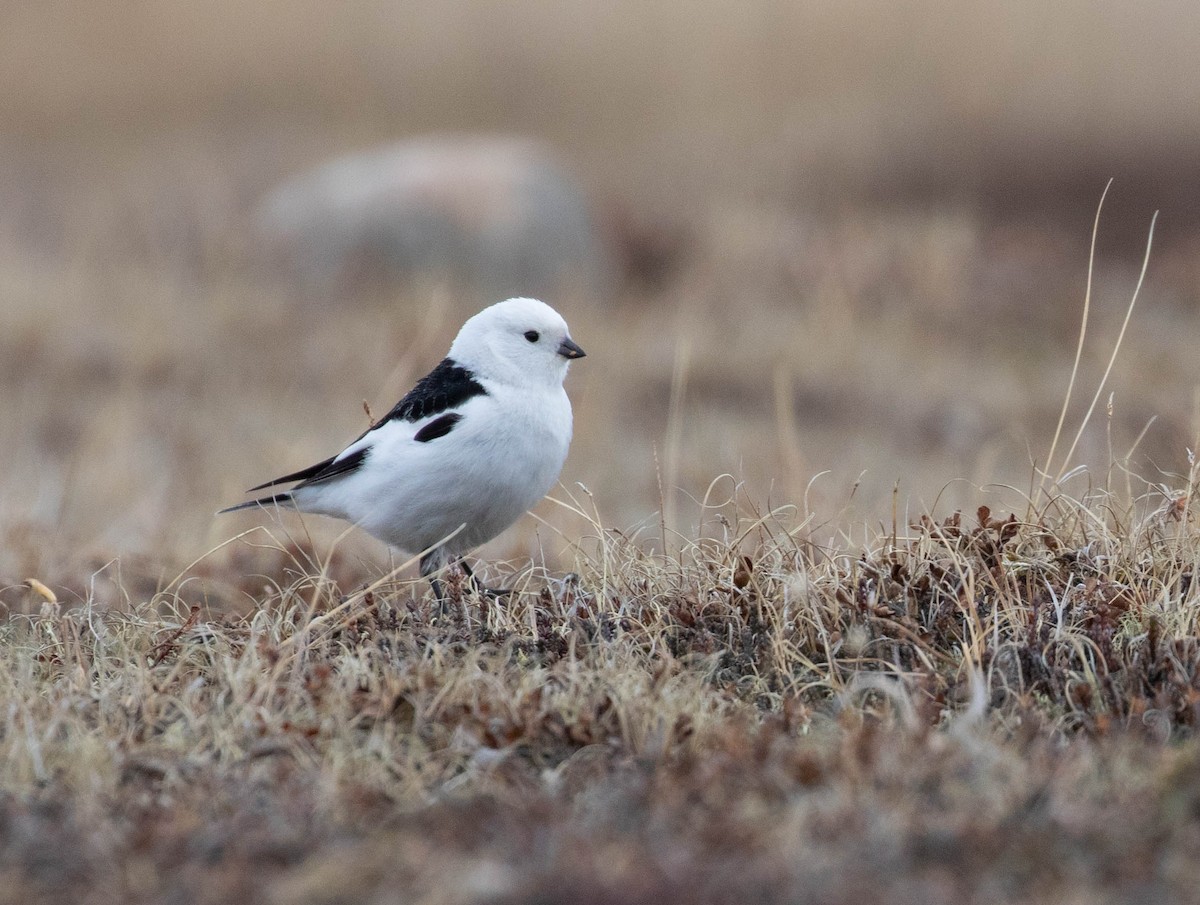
column 479, row 587
column 451, row 590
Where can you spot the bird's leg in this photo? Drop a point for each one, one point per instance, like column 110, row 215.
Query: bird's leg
column 470, row 582
column 434, row 561
column 479, row 588
column 431, row 564
column 439, row 594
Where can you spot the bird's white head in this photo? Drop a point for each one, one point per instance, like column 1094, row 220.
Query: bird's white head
column 519, row 341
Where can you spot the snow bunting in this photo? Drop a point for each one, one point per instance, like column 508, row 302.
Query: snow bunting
column 478, row 441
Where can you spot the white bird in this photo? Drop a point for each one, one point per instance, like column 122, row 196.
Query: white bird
column 477, row 442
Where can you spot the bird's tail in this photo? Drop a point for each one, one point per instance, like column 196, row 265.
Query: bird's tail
column 278, row 499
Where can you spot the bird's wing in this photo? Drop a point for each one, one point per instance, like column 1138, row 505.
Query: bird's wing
column 438, row 427
column 346, row 462
column 343, row 463
column 444, row 388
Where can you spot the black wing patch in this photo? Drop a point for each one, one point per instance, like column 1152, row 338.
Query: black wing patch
column 322, row 471
column 446, row 387
column 438, row 427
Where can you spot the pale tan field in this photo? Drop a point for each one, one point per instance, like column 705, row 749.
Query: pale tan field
column 874, row 226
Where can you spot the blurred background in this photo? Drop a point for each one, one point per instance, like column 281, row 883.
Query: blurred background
column 826, row 249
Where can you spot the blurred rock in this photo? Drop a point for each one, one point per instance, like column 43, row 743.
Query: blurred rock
column 501, row 215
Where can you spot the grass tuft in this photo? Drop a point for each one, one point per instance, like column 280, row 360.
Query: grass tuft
column 633, row 728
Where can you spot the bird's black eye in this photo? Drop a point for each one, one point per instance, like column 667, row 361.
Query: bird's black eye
column 532, row 335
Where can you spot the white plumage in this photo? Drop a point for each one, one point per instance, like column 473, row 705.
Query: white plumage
column 476, row 443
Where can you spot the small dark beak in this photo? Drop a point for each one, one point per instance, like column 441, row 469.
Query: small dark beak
column 568, row 349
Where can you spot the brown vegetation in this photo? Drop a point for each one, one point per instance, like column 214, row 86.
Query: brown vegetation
column 804, row 622
column 969, row 709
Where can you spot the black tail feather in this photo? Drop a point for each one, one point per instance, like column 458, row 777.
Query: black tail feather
column 279, row 499
column 323, row 471
column 302, row 475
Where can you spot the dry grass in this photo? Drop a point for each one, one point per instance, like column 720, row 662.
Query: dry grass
column 810, row 679
column 772, row 692
column 959, row 711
